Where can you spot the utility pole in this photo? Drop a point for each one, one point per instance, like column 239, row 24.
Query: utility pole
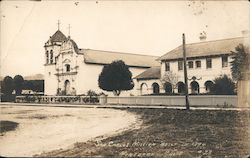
column 185, row 71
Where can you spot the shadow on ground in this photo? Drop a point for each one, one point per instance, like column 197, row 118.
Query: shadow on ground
column 6, row 126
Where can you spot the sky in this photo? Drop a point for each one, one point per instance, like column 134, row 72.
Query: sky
column 141, row 27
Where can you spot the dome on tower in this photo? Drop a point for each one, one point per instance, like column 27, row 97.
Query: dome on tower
column 58, row 36
column 74, row 45
column 69, row 44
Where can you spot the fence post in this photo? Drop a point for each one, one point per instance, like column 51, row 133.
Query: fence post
column 103, row 99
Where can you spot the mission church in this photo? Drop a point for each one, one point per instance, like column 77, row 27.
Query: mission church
column 70, row 70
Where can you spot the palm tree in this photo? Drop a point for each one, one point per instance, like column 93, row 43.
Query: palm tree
column 239, row 61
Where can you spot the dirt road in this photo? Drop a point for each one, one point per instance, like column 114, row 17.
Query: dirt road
column 42, row 129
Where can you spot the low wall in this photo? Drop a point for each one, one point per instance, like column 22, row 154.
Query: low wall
column 206, row 100
column 200, row 101
column 58, row 99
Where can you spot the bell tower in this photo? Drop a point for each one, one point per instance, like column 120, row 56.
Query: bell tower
column 52, row 50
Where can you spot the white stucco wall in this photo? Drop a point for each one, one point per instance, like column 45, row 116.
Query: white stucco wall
column 87, row 79
column 50, row 86
column 82, row 76
column 202, row 74
column 149, row 86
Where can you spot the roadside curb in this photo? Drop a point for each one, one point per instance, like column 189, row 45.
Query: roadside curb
column 119, row 106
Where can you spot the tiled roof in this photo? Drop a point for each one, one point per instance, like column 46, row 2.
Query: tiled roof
column 106, row 57
column 151, row 73
column 58, row 36
column 209, row 48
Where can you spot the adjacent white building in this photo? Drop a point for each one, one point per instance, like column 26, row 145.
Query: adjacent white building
column 73, row 71
column 205, row 61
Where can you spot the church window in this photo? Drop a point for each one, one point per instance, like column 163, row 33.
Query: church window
column 47, row 57
column 190, row 64
column 67, row 67
column 167, row 66
column 224, row 61
column 51, row 56
column 198, row 64
column 209, row 63
column 180, row 65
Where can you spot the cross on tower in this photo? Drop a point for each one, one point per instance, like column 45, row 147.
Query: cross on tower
column 69, row 29
column 58, row 24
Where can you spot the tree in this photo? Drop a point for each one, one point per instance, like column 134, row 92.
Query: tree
column 7, row 85
column 239, row 62
column 18, row 84
column 91, row 93
column 38, row 85
column 35, row 85
column 170, row 77
column 116, row 77
column 223, row 85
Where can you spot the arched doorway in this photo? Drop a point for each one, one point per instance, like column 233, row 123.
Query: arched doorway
column 144, row 89
column 195, row 88
column 181, row 87
column 209, row 86
column 168, row 87
column 156, row 88
column 67, row 87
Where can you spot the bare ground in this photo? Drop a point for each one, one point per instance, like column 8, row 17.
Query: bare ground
column 174, row 133
column 42, row 129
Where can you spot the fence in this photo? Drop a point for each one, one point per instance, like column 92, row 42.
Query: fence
column 58, row 99
column 206, row 100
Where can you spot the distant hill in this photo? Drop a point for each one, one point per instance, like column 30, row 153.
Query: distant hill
column 30, row 77
column 34, row 77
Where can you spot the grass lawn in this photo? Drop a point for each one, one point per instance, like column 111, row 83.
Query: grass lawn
column 174, row 133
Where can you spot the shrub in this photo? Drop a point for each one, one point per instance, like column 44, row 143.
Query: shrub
column 223, row 86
